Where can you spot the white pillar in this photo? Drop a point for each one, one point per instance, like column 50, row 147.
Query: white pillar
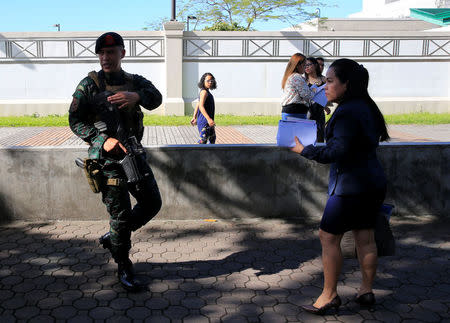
column 173, row 100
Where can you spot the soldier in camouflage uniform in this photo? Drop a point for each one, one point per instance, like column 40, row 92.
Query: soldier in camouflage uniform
column 130, row 92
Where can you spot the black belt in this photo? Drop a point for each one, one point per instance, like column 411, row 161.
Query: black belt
column 295, row 108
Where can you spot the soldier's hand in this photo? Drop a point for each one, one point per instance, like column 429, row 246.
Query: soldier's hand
column 124, row 99
column 113, row 145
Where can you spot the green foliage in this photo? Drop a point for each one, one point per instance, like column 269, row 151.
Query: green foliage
column 225, row 26
column 246, row 12
column 156, row 24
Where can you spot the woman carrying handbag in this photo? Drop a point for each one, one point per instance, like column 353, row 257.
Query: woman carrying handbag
column 357, row 184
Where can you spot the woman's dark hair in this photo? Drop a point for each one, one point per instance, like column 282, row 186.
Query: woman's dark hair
column 356, row 77
column 314, row 61
column 201, row 83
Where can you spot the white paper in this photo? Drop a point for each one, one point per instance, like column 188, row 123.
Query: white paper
column 305, row 130
column 319, row 96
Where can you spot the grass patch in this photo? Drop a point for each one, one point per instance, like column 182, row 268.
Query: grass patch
column 228, row 120
column 221, row 119
column 156, row 120
column 418, row 118
column 149, row 120
column 35, row 121
column 423, row 118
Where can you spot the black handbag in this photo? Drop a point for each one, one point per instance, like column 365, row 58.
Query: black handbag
column 383, row 235
column 384, row 238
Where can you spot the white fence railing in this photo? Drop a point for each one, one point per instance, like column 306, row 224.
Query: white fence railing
column 32, row 49
column 327, row 47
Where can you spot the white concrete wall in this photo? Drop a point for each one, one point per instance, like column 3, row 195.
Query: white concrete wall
column 48, row 88
column 241, row 79
column 263, row 80
column 40, row 71
column 409, row 70
column 255, row 87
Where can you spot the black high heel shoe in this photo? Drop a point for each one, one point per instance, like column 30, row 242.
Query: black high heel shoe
column 335, row 303
column 367, row 299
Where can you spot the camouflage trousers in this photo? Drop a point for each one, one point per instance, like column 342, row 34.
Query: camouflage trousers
column 124, row 218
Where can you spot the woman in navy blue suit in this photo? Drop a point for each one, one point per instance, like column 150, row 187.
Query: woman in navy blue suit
column 357, row 184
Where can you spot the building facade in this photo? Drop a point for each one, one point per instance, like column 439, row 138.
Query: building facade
column 395, row 8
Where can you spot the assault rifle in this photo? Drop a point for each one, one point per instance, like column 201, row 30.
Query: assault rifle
column 134, row 163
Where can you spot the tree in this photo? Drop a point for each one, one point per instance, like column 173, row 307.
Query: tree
column 225, row 26
column 246, row 12
column 156, row 24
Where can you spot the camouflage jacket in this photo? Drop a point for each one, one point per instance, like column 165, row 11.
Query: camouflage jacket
column 81, row 111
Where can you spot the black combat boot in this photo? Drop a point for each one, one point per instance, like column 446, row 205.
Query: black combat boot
column 126, row 276
column 105, row 241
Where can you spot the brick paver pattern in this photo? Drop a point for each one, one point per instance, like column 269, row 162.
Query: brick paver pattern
column 225, row 271
column 187, row 135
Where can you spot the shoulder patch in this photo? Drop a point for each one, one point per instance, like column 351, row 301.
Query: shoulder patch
column 74, row 104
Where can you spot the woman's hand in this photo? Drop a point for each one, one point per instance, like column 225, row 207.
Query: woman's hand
column 298, row 148
column 193, row 121
column 211, row 122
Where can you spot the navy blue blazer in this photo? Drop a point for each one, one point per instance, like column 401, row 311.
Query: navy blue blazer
column 352, row 136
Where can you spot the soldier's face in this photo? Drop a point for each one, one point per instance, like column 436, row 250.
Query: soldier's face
column 110, row 58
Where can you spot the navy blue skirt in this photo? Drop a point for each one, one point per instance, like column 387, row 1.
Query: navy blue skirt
column 351, row 212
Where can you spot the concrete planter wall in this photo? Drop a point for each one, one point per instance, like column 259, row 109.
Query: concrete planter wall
column 222, row 181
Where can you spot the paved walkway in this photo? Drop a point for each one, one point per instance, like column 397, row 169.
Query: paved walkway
column 165, row 135
column 199, row 271
column 212, row 271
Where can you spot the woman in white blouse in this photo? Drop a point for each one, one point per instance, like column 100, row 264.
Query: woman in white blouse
column 296, row 93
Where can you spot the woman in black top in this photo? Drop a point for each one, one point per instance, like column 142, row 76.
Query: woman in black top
column 314, row 76
column 205, row 110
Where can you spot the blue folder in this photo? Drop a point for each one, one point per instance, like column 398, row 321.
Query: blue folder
column 305, row 130
column 319, row 96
